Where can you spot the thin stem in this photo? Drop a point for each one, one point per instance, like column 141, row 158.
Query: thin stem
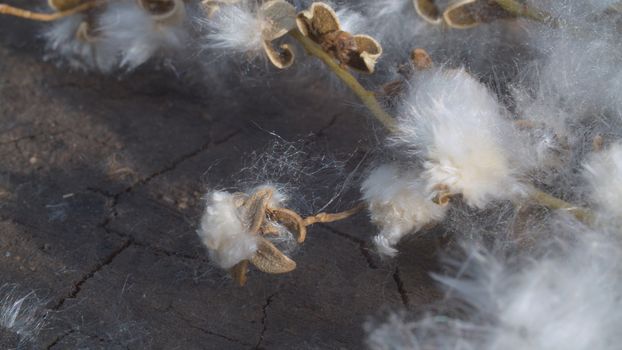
column 582, row 214
column 367, row 97
column 326, row 217
column 523, row 10
column 47, row 17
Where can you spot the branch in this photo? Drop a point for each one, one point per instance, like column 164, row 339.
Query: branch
column 367, row 97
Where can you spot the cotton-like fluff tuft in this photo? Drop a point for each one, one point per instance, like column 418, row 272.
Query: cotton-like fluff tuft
column 455, row 125
column 398, row 205
column 235, row 28
column 603, row 172
column 568, row 298
column 65, row 46
column 224, row 232
column 136, row 35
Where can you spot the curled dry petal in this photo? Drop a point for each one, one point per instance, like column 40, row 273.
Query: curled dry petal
column 428, row 10
column 369, row 51
column 462, row 14
column 291, row 220
column 165, row 12
column 277, row 18
column 238, row 272
column 281, row 59
column 254, row 209
column 269, row 259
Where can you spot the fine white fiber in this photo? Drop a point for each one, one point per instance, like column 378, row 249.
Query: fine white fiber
column 224, row 232
column 235, row 28
column 21, row 313
column 135, row 35
column 456, row 126
column 569, row 296
column 603, row 173
column 398, row 205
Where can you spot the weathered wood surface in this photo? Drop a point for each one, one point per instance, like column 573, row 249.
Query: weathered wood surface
column 101, row 181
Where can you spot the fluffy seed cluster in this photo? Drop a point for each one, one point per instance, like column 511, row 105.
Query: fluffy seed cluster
column 456, row 126
column 225, row 227
column 568, row 297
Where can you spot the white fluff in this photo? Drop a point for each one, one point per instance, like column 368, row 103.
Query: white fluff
column 235, row 28
column 125, row 36
column 63, row 46
column 570, row 298
column 398, row 205
column 132, row 34
column 455, row 124
column 603, row 172
column 224, row 233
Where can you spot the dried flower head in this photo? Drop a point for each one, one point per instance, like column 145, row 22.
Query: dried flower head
column 321, row 24
column 239, row 228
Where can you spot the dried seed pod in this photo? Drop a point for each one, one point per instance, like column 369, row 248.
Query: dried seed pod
column 428, row 10
column 420, row 59
column 269, row 259
column 320, row 23
column 369, row 50
column 320, row 19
